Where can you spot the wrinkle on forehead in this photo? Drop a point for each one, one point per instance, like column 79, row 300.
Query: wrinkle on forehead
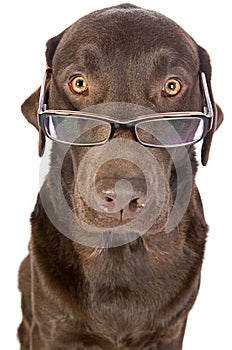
column 172, row 58
column 163, row 61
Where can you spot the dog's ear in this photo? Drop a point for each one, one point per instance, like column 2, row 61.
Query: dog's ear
column 29, row 109
column 205, row 67
column 30, row 105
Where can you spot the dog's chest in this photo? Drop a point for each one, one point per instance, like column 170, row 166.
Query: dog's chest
column 125, row 299
column 122, row 315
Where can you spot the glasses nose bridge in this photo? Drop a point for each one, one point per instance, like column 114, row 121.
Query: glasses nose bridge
column 123, row 130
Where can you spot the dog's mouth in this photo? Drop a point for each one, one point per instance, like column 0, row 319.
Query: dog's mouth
column 116, row 227
column 113, row 202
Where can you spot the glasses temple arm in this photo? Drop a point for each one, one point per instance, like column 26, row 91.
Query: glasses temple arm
column 208, row 109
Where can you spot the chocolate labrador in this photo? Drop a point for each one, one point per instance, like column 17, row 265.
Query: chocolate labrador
column 118, row 230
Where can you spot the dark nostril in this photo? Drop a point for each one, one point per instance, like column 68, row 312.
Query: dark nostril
column 108, row 199
column 136, row 203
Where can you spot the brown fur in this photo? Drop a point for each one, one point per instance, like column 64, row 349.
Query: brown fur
column 136, row 296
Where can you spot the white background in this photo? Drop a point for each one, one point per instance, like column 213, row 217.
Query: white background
column 25, row 27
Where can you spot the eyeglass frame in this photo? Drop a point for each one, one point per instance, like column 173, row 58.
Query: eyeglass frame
column 207, row 116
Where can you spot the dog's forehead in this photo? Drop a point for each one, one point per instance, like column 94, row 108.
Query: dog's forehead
column 128, row 30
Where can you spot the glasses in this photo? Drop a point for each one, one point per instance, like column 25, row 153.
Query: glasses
column 162, row 130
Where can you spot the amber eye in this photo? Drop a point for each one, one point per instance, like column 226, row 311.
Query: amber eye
column 79, row 85
column 172, row 87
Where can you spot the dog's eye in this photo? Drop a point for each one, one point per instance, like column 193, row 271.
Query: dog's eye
column 79, row 85
column 172, row 87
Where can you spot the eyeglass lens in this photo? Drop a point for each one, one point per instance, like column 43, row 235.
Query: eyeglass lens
column 77, row 130
column 170, row 132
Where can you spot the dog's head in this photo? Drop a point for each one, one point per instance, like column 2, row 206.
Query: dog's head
column 125, row 64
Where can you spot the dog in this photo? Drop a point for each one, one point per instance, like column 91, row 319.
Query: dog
column 118, row 229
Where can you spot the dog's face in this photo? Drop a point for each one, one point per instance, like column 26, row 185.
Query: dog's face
column 125, row 62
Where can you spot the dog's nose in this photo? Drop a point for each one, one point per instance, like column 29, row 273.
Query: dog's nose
column 122, row 199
